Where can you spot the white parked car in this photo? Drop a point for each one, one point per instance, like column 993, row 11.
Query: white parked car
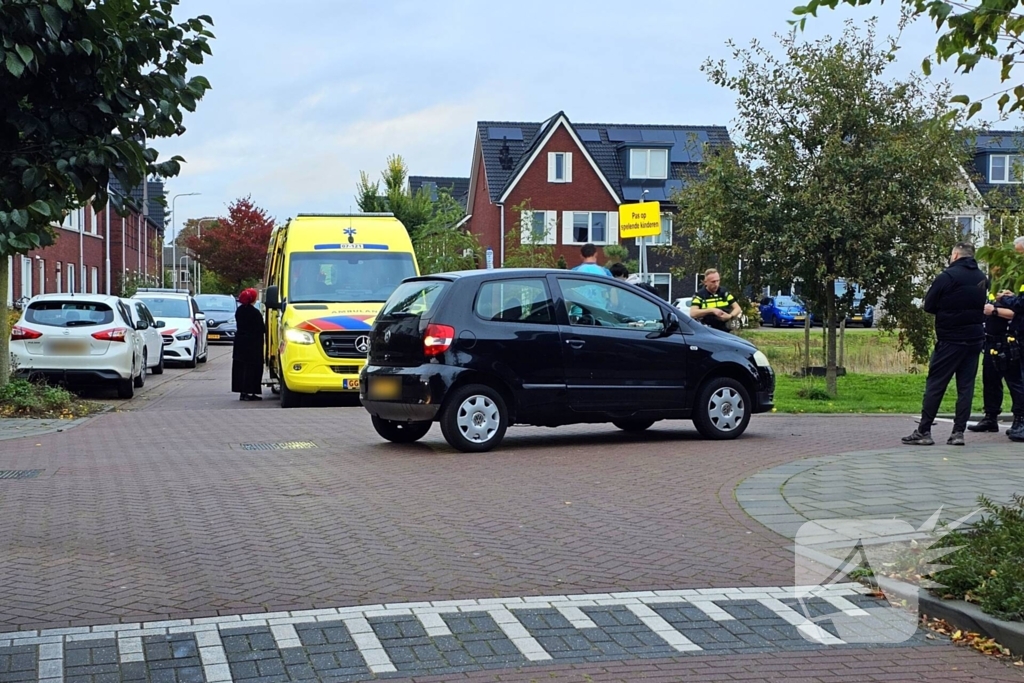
column 184, row 331
column 148, row 329
column 683, row 304
column 80, row 339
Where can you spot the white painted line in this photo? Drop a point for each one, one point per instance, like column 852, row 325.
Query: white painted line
column 314, row 612
column 803, row 624
column 51, row 651
column 79, row 637
column 263, row 616
column 130, row 650
column 576, row 617
column 848, row 608
column 709, row 608
column 519, row 636
column 370, row 647
column 286, row 636
column 213, row 657
column 51, row 662
column 663, row 629
column 434, row 624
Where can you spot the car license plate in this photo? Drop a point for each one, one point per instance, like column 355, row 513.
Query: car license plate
column 349, row 384
column 799, row 317
column 67, row 347
column 213, row 336
column 857, row 319
column 385, row 388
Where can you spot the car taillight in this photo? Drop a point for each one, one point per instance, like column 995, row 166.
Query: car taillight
column 23, row 333
column 437, row 339
column 116, row 334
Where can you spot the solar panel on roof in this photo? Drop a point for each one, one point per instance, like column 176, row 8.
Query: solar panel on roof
column 679, row 154
column 655, row 194
column 657, row 136
column 589, row 134
column 631, row 192
column 1000, row 142
column 496, row 133
column 674, row 185
column 624, row 135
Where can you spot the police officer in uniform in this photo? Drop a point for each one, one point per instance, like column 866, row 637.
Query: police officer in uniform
column 1001, row 362
column 712, row 305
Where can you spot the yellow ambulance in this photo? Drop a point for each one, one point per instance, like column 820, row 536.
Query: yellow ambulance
column 327, row 277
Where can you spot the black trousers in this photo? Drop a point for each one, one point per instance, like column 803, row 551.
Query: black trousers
column 993, row 373
column 949, row 359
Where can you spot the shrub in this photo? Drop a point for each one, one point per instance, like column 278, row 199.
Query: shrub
column 22, row 398
column 989, row 567
column 814, row 392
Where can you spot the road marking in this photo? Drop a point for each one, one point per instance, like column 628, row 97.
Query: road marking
column 369, row 645
column 804, row 625
column 665, row 630
column 713, row 611
column 518, row 634
column 51, row 663
column 577, row 617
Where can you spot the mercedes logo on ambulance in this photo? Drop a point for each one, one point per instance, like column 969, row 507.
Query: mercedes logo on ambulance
column 363, row 343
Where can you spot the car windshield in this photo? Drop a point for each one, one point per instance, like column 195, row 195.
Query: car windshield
column 216, row 302
column 69, row 313
column 168, row 307
column 349, row 277
column 786, row 302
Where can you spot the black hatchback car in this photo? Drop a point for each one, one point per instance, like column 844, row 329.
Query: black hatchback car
column 480, row 350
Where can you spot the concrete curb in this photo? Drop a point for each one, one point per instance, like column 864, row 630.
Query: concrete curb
column 62, row 426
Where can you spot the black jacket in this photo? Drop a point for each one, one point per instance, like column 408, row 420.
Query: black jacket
column 248, row 346
column 957, row 299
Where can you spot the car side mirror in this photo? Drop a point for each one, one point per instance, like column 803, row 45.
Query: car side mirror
column 671, row 326
column 142, row 325
column 161, row 323
column 271, row 298
column 200, row 316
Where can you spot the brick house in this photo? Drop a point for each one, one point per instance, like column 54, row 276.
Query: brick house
column 575, row 176
column 94, row 250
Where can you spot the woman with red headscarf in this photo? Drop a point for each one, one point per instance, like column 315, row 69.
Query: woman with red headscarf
column 247, row 355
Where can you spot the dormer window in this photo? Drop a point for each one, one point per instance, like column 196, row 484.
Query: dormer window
column 648, row 164
column 1005, row 168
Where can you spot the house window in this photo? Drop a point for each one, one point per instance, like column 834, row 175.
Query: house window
column 42, row 276
column 1005, row 168
column 589, row 227
column 665, row 237
column 537, row 227
column 26, row 277
column 966, row 225
column 71, row 278
column 648, row 163
column 94, row 280
column 559, row 167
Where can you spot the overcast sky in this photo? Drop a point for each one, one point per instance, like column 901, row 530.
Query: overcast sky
column 308, row 92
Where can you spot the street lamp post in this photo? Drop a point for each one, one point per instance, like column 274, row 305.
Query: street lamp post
column 199, row 235
column 174, row 234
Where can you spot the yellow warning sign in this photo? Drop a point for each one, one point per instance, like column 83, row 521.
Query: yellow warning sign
column 639, row 220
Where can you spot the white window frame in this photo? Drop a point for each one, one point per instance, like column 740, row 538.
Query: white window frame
column 26, row 277
column 42, row 276
column 1008, row 166
column 634, row 172
column 71, row 278
column 550, row 222
column 611, row 227
column 660, row 239
column 553, row 158
column 94, row 280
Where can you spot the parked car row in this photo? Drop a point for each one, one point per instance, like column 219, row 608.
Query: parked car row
column 101, row 339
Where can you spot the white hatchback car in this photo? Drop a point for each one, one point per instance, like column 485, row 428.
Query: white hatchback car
column 184, row 332
column 149, row 334
column 80, row 339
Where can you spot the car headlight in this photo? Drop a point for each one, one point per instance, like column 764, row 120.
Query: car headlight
column 295, row 336
column 761, row 360
column 184, row 336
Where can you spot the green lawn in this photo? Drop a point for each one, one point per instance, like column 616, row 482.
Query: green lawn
column 863, row 393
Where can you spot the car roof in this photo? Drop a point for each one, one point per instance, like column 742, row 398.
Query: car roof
column 102, row 298
column 157, row 294
column 481, row 274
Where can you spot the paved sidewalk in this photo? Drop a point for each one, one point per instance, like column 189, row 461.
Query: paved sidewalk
column 906, row 482
column 19, row 427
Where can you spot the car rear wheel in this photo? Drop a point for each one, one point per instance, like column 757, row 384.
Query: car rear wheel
column 140, row 381
column 722, row 410
column 400, row 432
column 158, row 369
column 633, row 425
column 126, row 387
column 474, row 419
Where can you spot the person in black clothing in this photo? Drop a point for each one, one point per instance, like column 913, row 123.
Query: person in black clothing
column 1001, row 362
column 957, row 299
column 247, row 354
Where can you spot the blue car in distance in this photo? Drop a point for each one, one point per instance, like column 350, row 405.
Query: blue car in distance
column 782, row 310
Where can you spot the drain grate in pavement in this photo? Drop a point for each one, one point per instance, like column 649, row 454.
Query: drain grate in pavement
column 20, row 474
column 278, row 446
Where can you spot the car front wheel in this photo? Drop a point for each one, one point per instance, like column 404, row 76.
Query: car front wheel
column 400, row 432
column 722, row 410
column 474, row 419
column 158, row 369
column 633, row 425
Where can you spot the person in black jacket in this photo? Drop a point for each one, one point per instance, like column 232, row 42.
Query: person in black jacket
column 247, row 354
column 957, row 299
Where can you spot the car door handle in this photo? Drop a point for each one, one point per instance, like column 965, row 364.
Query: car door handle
column 575, row 343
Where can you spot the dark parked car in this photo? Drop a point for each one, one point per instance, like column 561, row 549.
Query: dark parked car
column 220, row 316
column 478, row 351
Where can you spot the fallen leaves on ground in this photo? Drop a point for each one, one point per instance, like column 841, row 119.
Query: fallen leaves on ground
column 969, row 639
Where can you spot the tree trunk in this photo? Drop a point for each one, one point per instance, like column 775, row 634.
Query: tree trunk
column 807, row 345
column 830, row 351
column 5, row 332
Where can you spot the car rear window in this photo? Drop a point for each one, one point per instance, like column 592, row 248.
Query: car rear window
column 69, row 313
column 168, row 307
column 524, row 301
column 414, row 298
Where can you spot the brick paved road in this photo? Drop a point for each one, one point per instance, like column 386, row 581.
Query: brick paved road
column 157, row 512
